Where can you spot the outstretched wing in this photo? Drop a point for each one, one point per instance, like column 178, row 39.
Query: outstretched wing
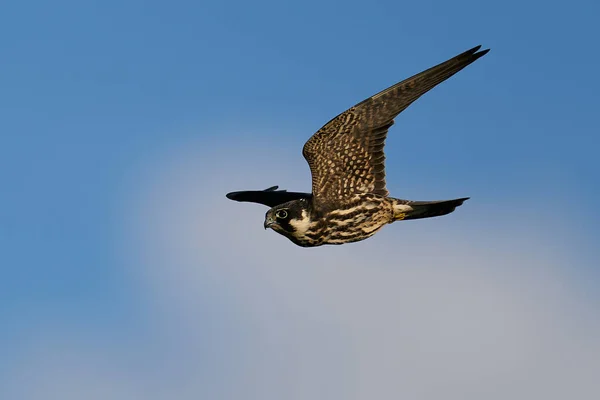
column 269, row 197
column 346, row 155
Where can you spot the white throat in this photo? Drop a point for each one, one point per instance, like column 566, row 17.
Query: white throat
column 301, row 225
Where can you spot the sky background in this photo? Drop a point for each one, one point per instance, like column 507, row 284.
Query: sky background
column 125, row 273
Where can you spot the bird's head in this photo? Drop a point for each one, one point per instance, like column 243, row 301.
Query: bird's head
column 288, row 219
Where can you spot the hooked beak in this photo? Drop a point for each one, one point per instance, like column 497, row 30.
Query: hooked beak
column 268, row 223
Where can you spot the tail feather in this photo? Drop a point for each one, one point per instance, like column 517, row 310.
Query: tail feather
column 407, row 209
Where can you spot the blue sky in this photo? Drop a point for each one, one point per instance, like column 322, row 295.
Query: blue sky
column 123, row 124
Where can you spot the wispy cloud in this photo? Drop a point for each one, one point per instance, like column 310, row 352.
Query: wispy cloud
column 451, row 308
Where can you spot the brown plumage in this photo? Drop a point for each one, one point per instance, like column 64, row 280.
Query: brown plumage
column 349, row 200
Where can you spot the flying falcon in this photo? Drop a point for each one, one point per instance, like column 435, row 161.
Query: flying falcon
column 349, row 200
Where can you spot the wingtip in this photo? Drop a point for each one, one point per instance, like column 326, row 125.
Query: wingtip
column 235, row 195
column 475, row 52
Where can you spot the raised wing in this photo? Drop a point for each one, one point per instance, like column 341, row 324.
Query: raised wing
column 346, row 155
column 269, row 197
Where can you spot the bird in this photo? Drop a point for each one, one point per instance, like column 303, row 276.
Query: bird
column 349, row 200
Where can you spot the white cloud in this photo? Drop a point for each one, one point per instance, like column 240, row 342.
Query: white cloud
column 451, row 308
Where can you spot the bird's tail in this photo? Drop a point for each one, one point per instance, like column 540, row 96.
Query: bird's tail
column 407, row 209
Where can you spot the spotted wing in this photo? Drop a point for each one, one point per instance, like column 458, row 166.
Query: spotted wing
column 346, row 155
column 269, row 197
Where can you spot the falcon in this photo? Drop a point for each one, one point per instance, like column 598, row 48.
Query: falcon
column 349, row 200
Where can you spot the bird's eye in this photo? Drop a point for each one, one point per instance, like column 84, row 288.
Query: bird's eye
column 281, row 214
